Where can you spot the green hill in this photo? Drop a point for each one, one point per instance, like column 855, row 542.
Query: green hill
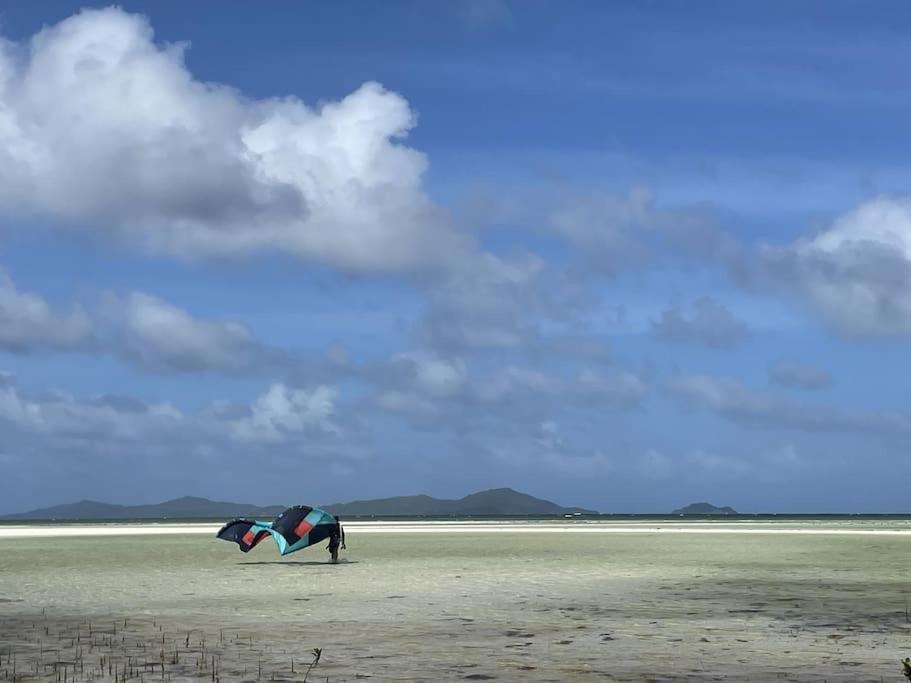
column 704, row 509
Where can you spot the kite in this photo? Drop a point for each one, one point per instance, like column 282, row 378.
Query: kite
column 296, row 528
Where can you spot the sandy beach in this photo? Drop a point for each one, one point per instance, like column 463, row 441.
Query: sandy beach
column 466, row 601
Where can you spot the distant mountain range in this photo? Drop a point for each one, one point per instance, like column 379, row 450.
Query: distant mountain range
column 188, row 507
column 704, row 509
column 492, row 502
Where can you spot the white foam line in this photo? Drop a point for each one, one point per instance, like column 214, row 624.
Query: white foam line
column 41, row 531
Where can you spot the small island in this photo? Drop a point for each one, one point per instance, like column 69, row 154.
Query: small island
column 704, row 509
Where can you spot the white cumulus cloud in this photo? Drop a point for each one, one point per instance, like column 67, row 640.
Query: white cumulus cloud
column 283, row 413
column 27, row 322
column 855, row 275
column 163, row 337
column 107, row 131
column 279, row 416
column 710, row 323
column 431, row 374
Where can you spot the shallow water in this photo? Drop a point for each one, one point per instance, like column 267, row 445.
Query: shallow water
column 428, row 606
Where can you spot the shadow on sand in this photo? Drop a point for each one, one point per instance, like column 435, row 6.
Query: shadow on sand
column 311, row 563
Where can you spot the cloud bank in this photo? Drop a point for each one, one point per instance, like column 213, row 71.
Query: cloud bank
column 106, row 132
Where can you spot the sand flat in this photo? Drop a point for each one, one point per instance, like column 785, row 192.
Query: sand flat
column 505, row 605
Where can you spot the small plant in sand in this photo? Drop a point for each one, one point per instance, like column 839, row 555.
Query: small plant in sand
column 906, row 668
column 317, row 652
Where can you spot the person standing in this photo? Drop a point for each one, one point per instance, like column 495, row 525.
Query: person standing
column 336, row 540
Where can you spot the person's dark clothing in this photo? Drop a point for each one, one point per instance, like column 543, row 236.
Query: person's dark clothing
column 336, row 539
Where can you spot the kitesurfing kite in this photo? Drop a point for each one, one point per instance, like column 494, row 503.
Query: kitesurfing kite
column 294, row 529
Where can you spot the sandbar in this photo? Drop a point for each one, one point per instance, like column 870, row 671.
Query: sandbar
column 437, row 527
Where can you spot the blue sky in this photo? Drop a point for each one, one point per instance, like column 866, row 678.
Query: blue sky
column 625, row 255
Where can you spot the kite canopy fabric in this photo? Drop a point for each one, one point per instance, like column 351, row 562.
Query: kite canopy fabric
column 296, row 528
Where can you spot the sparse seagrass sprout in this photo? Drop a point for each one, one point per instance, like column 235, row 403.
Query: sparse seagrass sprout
column 317, row 652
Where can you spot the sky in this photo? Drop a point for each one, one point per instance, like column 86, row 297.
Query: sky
column 623, row 255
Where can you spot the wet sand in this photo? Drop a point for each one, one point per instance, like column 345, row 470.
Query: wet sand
column 474, row 602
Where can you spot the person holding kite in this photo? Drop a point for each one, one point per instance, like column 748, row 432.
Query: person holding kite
column 296, row 528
